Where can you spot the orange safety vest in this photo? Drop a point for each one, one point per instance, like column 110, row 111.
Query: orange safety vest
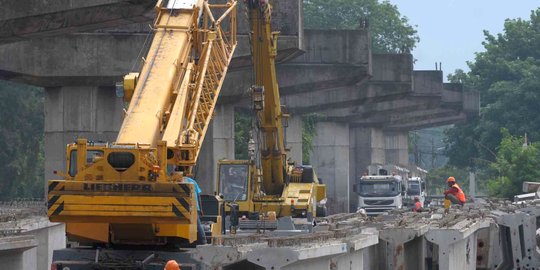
column 417, row 206
column 460, row 195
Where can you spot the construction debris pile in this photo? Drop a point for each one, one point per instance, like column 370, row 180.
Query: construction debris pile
column 16, row 215
column 493, row 234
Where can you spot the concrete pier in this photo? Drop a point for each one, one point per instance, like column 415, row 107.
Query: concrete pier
column 331, row 160
column 218, row 144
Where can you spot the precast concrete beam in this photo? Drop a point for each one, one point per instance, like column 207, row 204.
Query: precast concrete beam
column 521, row 235
column 346, row 254
column 95, row 59
column 457, row 244
column 293, row 78
column 19, row 252
column 492, row 250
column 427, row 123
column 405, row 247
column 400, row 118
column 362, row 93
column 403, row 105
column 221, row 257
column 27, row 21
column 17, row 243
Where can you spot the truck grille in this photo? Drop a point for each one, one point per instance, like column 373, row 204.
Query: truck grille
column 378, row 202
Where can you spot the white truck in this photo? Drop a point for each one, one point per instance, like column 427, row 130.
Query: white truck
column 381, row 189
column 416, row 187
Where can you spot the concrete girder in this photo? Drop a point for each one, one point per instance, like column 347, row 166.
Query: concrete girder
column 27, row 19
column 428, row 123
column 293, row 79
column 521, row 236
column 457, row 244
column 387, row 107
column 381, row 120
column 336, row 254
column 362, row 93
column 223, row 256
column 65, row 18
column 85, row 59
column 405, row 247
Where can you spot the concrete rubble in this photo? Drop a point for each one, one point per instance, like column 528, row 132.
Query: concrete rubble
column 493, row 234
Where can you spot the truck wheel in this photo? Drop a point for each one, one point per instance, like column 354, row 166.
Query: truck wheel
column 321, row 211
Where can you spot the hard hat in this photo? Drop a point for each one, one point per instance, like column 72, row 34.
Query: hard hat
column 451, row 179
column 172, row 265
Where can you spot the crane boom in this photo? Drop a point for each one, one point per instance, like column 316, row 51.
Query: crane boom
column 276, row 187
column 264, row 51
column 125, row 192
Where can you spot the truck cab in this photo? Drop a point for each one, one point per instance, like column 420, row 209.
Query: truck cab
column 416, row 187
column 377, row 194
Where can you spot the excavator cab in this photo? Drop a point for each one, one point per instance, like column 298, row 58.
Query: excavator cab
column 234, row 184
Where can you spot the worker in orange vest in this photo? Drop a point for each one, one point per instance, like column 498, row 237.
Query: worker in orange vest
column 172, row 265
column 417, row 205
column 454, row 193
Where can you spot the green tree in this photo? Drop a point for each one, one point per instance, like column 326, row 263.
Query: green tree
column 390, row 32
column 436, row 179
column 242, row 128
column 516, row 162
column 21, row 141
column 507, row 75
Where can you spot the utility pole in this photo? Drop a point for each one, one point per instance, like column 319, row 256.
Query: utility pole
column 432, row 153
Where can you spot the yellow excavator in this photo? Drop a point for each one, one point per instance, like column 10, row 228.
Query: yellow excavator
column 132, row 192
column 267, row 186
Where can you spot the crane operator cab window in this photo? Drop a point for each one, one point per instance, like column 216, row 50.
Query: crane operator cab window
column 91, row 157
column 233, row 180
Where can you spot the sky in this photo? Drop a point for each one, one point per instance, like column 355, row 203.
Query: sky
column 451, row 31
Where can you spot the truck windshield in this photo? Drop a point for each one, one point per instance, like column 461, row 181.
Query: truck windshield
column 233, row 181
column 413, row 188
column 379, row 188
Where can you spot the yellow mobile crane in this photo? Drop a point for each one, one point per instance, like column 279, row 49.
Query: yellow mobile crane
column 268, row 182
column 131, row 192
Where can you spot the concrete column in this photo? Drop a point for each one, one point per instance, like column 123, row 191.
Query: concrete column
column 396, row 148
column 218, row 144
column 367, row 147
column 94, row 113
column 330, row 159
column 293, row 137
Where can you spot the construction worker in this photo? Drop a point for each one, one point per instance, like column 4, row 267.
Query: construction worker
column 454, row 193
column 172, row 265
column 201, row 238
column 417, row 205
